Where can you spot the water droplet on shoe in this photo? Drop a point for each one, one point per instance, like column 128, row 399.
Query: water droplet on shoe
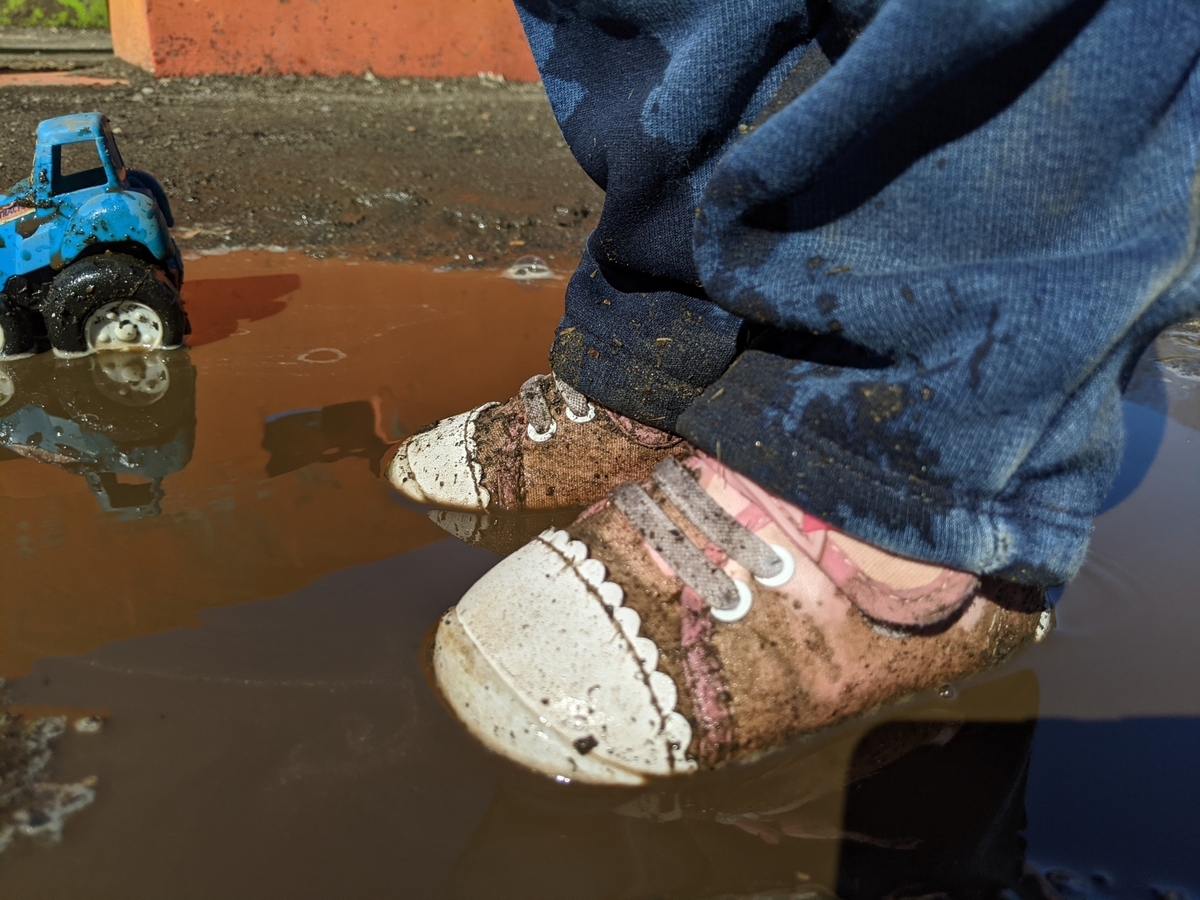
column 947, row 692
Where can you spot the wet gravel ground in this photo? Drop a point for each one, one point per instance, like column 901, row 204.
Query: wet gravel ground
column 390, row 169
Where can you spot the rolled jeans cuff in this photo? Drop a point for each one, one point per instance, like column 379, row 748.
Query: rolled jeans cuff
column 644, row 354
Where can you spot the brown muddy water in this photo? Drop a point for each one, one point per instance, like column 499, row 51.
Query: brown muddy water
column 204, row 563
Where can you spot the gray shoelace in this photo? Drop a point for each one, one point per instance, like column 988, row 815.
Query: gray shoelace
column 542, row 425
column 710, row 583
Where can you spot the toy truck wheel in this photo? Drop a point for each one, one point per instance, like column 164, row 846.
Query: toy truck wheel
column 113, row 302
column 132, row 399
column 18, row 334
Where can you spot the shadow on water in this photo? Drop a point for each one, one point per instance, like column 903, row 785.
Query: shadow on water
column 311, row 436
column 216, row 305
column 197, row 549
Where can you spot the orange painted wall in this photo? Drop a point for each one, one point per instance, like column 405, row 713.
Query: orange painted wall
column 130, row 32
column 392, row 38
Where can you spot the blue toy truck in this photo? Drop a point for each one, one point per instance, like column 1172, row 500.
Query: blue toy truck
column 87, row 261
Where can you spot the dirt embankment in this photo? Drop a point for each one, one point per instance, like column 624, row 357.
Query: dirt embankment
column 389, row 168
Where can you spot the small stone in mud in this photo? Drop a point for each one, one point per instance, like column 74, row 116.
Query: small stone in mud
column 586, row 745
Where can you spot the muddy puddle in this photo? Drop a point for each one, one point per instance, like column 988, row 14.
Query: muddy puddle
column 204, row 573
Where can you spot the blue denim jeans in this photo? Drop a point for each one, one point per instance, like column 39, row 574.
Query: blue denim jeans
column 892, row 259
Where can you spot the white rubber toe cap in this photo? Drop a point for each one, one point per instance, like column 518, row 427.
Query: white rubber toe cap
column 543, row 664
column 438, row 467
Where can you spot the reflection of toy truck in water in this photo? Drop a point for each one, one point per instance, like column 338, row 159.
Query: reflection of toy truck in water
column 123, row 422
column 86, row 255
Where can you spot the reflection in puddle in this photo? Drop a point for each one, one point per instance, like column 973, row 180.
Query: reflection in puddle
column 499, row 532
column 250, row 503
column 874, row 812
column 123, row 422
column 1179, row 351
column 197, row 546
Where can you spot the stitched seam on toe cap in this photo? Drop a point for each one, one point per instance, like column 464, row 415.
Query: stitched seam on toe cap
column 677, row 758
column 472, row 453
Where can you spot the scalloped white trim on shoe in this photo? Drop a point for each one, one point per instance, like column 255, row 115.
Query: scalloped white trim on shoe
column 543, row 663
column 438, row 466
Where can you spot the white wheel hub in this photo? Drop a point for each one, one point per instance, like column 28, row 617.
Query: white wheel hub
column 124, row 325
column 7, row 388
column 144, row 379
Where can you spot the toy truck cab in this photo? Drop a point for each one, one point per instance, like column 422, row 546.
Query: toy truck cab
column 87, row 261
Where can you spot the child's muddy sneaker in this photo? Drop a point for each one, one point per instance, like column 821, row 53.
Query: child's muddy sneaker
column 546, row 448
column 698, row 620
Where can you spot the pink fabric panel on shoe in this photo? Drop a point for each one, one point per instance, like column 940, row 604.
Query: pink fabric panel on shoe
column 910, row 607
column 760, row 506
column 705, row 682
column 508, row 480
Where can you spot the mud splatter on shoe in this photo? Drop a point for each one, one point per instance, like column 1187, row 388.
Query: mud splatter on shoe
column 546, row 448
column 698, row 620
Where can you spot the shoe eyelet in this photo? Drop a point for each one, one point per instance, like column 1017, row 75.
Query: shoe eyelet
column 540, row 437
column 745, row 601
column 586, row 417
column 789, row 569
